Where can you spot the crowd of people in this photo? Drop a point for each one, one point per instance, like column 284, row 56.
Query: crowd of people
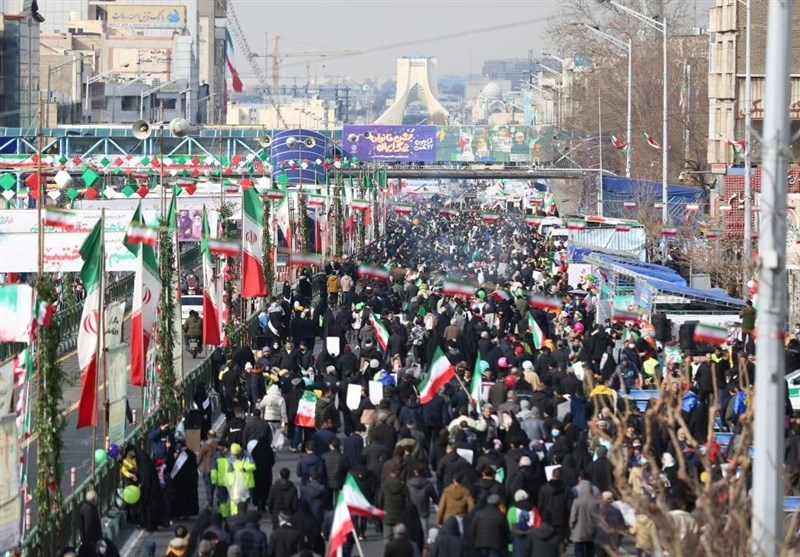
column 546, row 449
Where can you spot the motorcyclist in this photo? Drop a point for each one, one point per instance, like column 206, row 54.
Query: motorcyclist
column 193, row 327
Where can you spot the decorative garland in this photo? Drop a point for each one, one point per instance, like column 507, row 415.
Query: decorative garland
column 302, row 211
column 69, row 295
column 360, row 221
column 49, row 426
column 228, row 327
column 266, row 247
column 338, row 217
column 166, row 324
column 375, row 215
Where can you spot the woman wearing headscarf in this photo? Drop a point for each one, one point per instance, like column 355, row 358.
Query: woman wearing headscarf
column 151, row 501
column 182, row 489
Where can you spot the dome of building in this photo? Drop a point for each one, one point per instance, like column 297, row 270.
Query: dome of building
column 492, row 91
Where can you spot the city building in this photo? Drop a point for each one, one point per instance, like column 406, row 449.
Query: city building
column 313, row 114
column 726, row 79
column 19, row 66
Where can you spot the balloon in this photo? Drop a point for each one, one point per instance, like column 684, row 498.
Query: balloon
column 131, row 494
column 113, row 451
column 481, row 294
column 704, row 476
column 100, row 456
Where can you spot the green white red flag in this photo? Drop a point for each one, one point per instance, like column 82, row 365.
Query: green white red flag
column 223, row 248
column 439, row 373
column 544, row 302
column 305, row 260
column 380, row 330
column 306, row 410
column 622, row 316
column 253, row 284
column 341, row 527
column 93, row 255
column 712, row 334
column 651, row 141
column 139, row 233
column 42, row 314
column 373, row 271
column 475, row 384
column 63, row 220
column 453, row 287
column 536, row 332
column 146, row 294
column 356, row 502
column 212, row 289
column 359, row 205
column 16, row 312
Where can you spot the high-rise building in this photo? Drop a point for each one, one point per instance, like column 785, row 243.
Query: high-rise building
column 19, row 92
column 56, row 13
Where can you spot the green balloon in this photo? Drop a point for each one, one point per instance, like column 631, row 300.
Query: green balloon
column 100, row 456
column 481, row 294
column 131, row 494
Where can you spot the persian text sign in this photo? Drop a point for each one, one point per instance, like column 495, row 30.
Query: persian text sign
column 390, row 143
column 153, row 17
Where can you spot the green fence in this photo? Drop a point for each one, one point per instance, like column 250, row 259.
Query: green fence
column 105, row 479
column 68, row 319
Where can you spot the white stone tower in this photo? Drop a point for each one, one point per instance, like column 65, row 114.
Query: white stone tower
column 417, row 80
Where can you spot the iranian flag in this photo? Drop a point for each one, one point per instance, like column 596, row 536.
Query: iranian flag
column 42, row 314
column 315, row 201
column 380, row 330
column 712, row 334
column 306, row 410
column 713, row 233
column 629, row 204
column 533, row 221
column 146, row 293
column 594, row 218
column 356, row 502
column 23, row 367
column 651, row 141
column 402, row 209
column 545, row 303
column 359, row 205
column 212, row 290
column 453, row 287
column 725, row 208
column 253, row 284
column 341, row 527
column 536, row 332
column 223, row 248
column 439, row 373
column 500, row 295
column 92, row 253
column 16, row 312
column 373, row 271
column 475, row 385
column 576, row 225
column 618, row 144
column 669, row 231
column 275, row 194
column 622, row 316
column 622, row 228
column 305, row 260
column 63, row 220
column 448, row 213
column 139, row 233
column 282, row 220
column 490, row 217
column 694, row 207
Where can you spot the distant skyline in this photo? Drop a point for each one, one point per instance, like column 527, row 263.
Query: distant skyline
column 460, row 33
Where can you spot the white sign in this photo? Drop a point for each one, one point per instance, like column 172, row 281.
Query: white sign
column 115, row 316
column 375, row 392
column 117, row 220
column 353, row 396
column 118, row 371
column 332, row 344
column 153, row 203
column 19, row 253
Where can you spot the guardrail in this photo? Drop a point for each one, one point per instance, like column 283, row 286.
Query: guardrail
column 68, row 319
column 106, row 478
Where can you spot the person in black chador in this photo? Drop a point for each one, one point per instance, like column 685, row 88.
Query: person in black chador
column 151, row 503
column 183, row 483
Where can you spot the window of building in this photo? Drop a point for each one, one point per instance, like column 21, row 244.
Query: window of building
column 168, row 104
column 130, row 102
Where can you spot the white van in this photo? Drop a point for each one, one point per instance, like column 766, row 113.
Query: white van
column 549, row 223
column 191, row 302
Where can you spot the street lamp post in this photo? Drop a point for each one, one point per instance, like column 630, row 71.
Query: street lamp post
column 50, row 71
column 628, row 47
column 149, row 92
column 747, row 252
column 89, row 81
column 662, row 27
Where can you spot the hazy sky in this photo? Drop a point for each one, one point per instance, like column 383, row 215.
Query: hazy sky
column 461, row 33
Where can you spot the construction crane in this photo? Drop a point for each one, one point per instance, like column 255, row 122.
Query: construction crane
column 276, row 56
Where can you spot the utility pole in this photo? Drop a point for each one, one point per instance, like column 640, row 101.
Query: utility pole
column 747, row 248
column 767, row 516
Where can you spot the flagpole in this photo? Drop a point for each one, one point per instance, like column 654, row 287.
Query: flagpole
column 100, row 319
column 355, row 537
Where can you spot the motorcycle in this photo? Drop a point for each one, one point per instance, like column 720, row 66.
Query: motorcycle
column 194, row 346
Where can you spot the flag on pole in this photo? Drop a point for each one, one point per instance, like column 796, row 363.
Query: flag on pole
column 16, row 312
column 439, row 373
column 651, row 141
column 356, row 502
column 306, row 410
column 380, row 330
column 536, row 332
column 669, row 231
column 359, row 205
column 402, row 209
column 373, row 271
column 236, row 81
column 341, row 527
column 139, row 233
column 545, row 303
column 92, row 253
column 683, row 101
column 618, row 144
column 475, row 385
column 253, row 284
column 64, row 220
column 42, row 314
column 212, row 289
column 454, row 287
column 23, row 366
column 223, row 248
column 305, row 260
column 712, row 334
column 146, row 294
column 622, row 316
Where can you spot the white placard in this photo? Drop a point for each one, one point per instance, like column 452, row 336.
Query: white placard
column 115, row 317
column 562, row 410
column 353, row 396
column 548, row 471
column 332, row 344
column 466, row 454
column 6, row 386
column 375, row 392
column 578, row 368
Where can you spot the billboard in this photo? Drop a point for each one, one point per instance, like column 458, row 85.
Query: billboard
column 505, row 143
column 390, row 143
column 151, row 17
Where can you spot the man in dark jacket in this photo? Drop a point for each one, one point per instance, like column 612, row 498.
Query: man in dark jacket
column 392, row 498
column 488, row 529
column 545, row 540
column 600, row 471
column 555, row 501
column 400, row 546
column 309, row 462
column 233, row 432
column 90, row 528
column 282, row 497
column 316, row 496
column 335, row 469
column 486, row 486
column 288, row 357
column 250, row 538
column 354, row 446
column 285, row 539
column 435, row 415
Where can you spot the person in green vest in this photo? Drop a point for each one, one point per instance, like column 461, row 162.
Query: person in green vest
column 240, row 477
column 219, row 478
column 651, row 368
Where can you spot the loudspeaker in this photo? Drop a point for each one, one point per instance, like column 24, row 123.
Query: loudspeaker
column 265, row 141
column 291, row 142
column 663, row 327
column 141, row 129
column 179, row 127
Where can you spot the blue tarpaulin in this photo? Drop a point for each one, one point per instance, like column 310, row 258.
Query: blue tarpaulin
column 617, row 190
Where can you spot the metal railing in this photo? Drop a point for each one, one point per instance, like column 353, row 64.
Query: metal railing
column 106, row 478
column 68, row 319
